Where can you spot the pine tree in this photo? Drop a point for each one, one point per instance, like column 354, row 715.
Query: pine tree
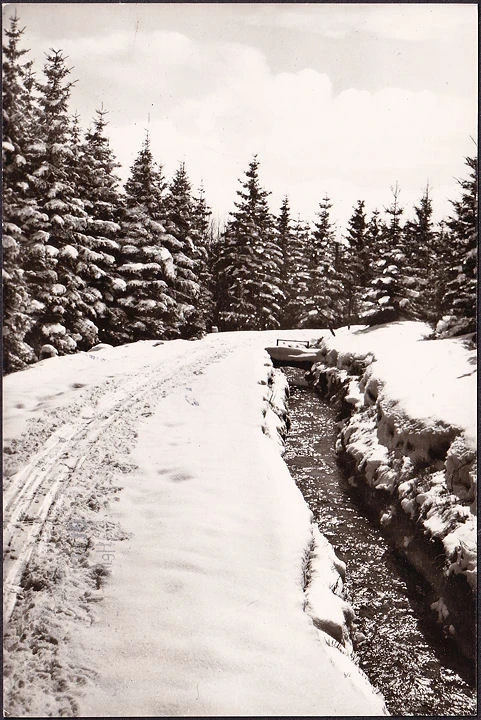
column 53, row 260
column 374, row 231
column 442, row 270
column 385, row 298
column 89, row 260
column 287, row 271
column 420, row 262
column 323, row 303
column 296, row 288
column 203, row 241
column 368, row 306
column 147, row 268
column 219, row 280
column 249, row 262
column 100, row 256
column 461, row 292
column 19, row 212
column 294, row 275
column 180, row 226
column 357, row 263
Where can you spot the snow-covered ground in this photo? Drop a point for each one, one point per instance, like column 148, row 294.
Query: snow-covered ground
column 412, row 435
column 159, row 559
column 431, row 380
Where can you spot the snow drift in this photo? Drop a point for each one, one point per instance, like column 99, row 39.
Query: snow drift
column 409, row 444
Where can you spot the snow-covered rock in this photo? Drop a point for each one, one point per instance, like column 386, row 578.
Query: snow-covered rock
column 47, row 351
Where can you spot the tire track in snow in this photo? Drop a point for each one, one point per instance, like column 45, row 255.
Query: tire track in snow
column 36, row 489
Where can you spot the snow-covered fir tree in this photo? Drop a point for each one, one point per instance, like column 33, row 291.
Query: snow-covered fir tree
column 420, row 264
column 296, row 288
column 461, row 290
column 385, row 298
column 203, row 241
column 52, row 267
column 284, row 229
column 88, row 261
column 249, row 265
column 219, row 279
column 100, row 255
column 442, row 270
column 294, row 245
column 147, row 269
column 357, row 262
column 287, row 269
column 19, row 211
column 374, row 231
column 180, row 226
column 323, row 302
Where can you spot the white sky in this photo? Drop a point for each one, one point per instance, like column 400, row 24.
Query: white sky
column 337, row 98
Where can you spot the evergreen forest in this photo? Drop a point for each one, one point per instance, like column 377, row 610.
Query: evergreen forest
column 86, row 260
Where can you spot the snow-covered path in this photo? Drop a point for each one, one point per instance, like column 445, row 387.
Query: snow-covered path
column 41, row 484
column 168, row 542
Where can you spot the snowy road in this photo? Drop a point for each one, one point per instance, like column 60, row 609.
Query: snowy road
column 37, row 495
column 155, row 543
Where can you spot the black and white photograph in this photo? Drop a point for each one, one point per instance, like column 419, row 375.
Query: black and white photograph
column 239, row 338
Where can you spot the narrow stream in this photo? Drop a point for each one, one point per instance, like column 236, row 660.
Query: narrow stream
column 398, row 645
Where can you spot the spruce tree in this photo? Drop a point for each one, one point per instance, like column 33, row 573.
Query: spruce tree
column 368, row 300
column 357, row 262
column 374, row 231
column 100, row 256
column 287, row 270
column 442, row 270
column 461, row 291
column 296, row 287
column 420, row 261
column 19, row 212
column 89, row 261
column 53, row 260
column 323, row 303
column 385, row 298
column 294, row 245
column 186, row 254
column 249, row 265
column 220, row 286
column 147, row 268
column 203, row 243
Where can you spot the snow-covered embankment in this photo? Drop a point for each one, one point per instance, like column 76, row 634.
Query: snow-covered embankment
column 323, row 572
column 408, row 443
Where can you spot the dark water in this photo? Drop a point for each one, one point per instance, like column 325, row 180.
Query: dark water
column 398, row 645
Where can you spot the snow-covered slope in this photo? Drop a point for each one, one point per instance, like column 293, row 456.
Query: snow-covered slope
column 167, row 543
column 410, row 443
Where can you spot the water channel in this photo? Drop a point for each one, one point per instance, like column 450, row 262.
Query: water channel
column 398, row 645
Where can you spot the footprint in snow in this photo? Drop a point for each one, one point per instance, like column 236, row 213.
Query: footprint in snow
column 180, row 477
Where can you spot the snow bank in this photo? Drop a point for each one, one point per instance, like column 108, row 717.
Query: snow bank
column 323, row 571
column 431, row 380
column 324, row 592
column 179, row 573
column 410, row 438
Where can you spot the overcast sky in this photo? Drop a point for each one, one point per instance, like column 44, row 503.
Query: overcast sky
column 335, row 98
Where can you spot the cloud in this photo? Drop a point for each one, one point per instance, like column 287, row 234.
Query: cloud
column 215, row 104
column 397, row 21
